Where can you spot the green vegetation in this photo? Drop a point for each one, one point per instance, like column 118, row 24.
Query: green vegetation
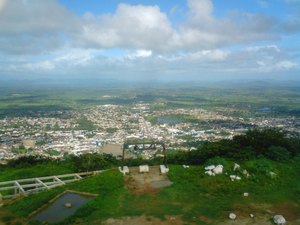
column 34, row 166
column 268, row 143
column 244, row 98
column 111, row 130
column 193, row 194
column 85, row 124
column 270, row 156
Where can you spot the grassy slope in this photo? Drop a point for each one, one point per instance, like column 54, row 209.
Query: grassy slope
column 40, row 170
column 192, row 196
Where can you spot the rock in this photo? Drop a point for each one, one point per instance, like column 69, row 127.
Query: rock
column 279, row 219
column 218, row 169
column 251, row 215
column 68, row 205
column 144, row 168
column 125, row 170
column 246, row 194
column 234, row 177
column 232, row 216
column 238, row 178
column 185, row 166
column 210, row 167
column 272, row 174
column 236, row 167
column 210, row 173
column 163, row 169
column 245, row 173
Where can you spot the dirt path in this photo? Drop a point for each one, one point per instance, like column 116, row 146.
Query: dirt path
column 151, row 182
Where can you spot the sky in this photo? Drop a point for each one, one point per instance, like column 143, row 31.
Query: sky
column 150, row 39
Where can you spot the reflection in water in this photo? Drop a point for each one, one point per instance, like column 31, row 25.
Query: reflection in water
column 57, row 211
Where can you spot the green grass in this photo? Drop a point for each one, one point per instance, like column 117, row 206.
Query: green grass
column 193, row 194
column 39, row 170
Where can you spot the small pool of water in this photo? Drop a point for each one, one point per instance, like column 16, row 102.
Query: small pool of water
column 57, row 211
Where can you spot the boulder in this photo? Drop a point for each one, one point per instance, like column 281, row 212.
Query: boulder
column 272, row 174
column 245, row 172
column 144, row 168
column 68, row 205
column 232, row 216
column 211, row 167
column 218, row 169
column 234, row 177
column 210, row 173
column 124, row 170
column 279, row 219
column 236, row 167
column 163, row 169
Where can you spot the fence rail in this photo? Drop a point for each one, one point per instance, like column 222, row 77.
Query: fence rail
column 27, row 186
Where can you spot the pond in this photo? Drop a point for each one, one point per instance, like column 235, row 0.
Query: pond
column 57, row 211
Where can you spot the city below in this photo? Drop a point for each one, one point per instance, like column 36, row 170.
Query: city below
column 104, row 128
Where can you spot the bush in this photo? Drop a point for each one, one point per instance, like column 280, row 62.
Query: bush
column 278, row 153
column 260, row 166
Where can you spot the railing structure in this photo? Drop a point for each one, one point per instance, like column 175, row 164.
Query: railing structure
column 144, row 146
column 14, row 188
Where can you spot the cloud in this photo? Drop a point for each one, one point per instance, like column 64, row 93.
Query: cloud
column 286, row 65
column 45, row 37
column 33, row 27
column 140, row 54
column 28, row 27
column 131, row 26
column 204, row 30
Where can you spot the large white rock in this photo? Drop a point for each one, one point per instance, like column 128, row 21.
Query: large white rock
column 234, row 177
column 236, row 167
column 124, row 170
column 279, row 219
column 218, row 169
column 211, row 167
column 144, row 168
column 232, row 216
column 210, row 173
column 163, row 169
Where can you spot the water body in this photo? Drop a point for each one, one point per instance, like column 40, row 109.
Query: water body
column 168, row 120
column 57, row 211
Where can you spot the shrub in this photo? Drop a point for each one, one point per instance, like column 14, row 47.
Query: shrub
column 278, row 153
column 260, row 166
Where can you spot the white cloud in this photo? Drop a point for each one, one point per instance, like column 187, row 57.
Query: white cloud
column 140, row 54
column 43, row 36
column 30, row 27
column 285, row 65
column 132, row 26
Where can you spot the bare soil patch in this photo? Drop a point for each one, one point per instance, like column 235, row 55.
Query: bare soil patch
column 150, row 182
column 144, row 220
column 263, row 214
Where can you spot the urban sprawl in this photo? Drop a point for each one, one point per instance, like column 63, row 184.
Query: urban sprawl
column 87, row 131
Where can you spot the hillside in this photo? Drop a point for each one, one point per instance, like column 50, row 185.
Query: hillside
column 269, row 169
column 193, row 198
